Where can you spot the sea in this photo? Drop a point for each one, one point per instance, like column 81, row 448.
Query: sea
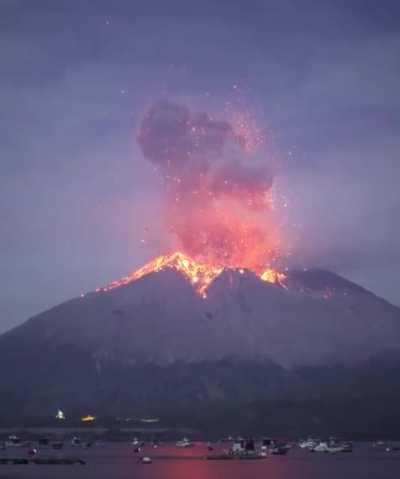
column 119, row 461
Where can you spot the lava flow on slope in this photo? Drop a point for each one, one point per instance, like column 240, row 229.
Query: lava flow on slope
column 200, row 274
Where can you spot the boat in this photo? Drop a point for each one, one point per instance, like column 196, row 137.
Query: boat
column 334, row 449
column 279, row 449
column 13, row 441
column 76, row 441
column 333, row 446
column 320, row 447
column 273, row 446
column 184, row 443
column 135, row 442
column 145, row 460
column 346, row 447
column 308, row 443
column 241, row 449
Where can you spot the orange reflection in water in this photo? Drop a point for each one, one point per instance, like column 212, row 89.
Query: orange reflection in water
column 272, row 468
column 193, row 469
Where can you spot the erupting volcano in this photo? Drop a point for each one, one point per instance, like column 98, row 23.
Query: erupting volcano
column 219, row 203
column 270, row 343
column 199, row 274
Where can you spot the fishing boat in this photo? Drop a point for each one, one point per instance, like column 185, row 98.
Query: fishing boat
column 333, row 446
column 309, row 443
column 13, row 441
column 241, row 449
column 184, row 443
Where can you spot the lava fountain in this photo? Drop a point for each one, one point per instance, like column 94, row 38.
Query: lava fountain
column 199, row 274
column 218, row 188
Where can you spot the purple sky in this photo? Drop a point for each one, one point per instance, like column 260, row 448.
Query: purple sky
column 77, row 77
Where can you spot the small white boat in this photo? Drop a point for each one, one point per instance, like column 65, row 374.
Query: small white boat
column 321, row 447
column 76, row 441
column 184, row 443
column 309, row 443
column 13, row 441
column 333, row 447
column 145, row 460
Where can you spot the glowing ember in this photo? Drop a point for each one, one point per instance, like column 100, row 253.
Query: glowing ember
column 218, row 176
column 200, row 274
column 273, row 276
column 219, row 201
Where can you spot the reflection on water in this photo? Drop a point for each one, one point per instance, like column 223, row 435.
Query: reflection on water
column 225, row 470
column 118, row 461
column 193, row 470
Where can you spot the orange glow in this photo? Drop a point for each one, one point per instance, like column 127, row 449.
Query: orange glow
column 199, row 273
column 220, row 203
column 88, row 418
column 220, row 231
column 272, row 276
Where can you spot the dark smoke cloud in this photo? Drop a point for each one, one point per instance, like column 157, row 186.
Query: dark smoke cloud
column 194, row 150
column 171, row 137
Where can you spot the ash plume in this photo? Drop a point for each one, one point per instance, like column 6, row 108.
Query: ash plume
column 217, row 185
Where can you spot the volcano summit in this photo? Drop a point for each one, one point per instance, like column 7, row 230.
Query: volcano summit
column 199, row 274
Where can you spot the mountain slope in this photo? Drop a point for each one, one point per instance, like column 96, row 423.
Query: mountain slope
column 155, row 346
column 320, row 318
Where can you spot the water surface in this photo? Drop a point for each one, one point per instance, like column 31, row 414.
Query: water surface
column 118, row 461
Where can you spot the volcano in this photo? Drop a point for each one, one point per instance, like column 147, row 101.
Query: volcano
column 225, row 354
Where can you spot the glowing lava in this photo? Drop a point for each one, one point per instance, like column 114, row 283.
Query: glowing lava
column 199, row 274
column 218, row 175
column 219, row 202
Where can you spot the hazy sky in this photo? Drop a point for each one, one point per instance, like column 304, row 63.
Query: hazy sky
column 76, row 197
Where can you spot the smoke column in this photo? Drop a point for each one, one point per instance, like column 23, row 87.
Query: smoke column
column 218, row 186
